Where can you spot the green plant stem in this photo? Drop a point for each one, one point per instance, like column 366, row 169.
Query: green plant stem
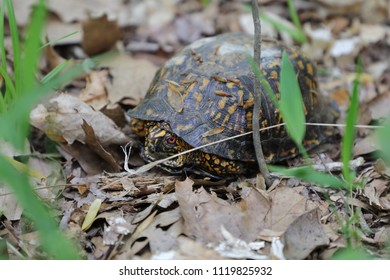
column 350, row 129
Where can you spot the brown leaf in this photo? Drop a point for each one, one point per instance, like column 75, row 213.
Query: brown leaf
column 147, row 228
column 99, row 35
column 287, row 206
column 94, row 92
column 365, row 145
column 382, row 236
column 130, row 77
column 62, row 118
column 52, row 57
column 377, row 192
column 94, row 144
column 304, row 235
column 205, row 213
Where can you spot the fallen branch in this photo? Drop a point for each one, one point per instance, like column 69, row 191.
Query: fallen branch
column 257, row 97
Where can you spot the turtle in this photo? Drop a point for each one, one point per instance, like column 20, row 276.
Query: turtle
column 204, row 93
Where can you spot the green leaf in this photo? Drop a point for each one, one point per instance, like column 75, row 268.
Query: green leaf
column 350, row 130
column 307, row 173
column 351, row 254
column 54, row 242
column 15, row 46
column 291, row 103
column 383, row 137
column 294, row 15
column 32, row 46
column 294, row 32
column 2, row 47
column 56, row 40
column 53, row 73
column 265, row 86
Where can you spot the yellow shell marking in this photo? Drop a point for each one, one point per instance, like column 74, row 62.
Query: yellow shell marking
column 300, row 64
column 222, row 103
column 232, row 109
column 230, row 85
column 198, row 97
column 205, row 82
column 309, row 68
column 217, row 116
column 273, row 75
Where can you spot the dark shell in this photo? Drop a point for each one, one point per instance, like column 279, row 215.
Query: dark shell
column 205, row 93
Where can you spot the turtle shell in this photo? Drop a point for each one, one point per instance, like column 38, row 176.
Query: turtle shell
column 205, row 94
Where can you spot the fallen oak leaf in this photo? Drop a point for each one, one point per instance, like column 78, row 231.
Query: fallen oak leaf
column 304, row 235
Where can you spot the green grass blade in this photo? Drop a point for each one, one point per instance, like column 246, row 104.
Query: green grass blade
column 350, row 130
column 265, row 86
column 15, row 47
column 291, row 102
column 8, row 82
column 383, row 136
column 2, row 46
column 32, row 45
column 294, row 15
column 297, row 34
column 294, row 32
column 307, row 173
column 56, row 40
column 51, row 238
column 53, row 73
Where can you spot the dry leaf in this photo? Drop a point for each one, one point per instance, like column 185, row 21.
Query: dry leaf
column 382, row 236
column 62, row 118
column 130, row 77
column 147, row 228
column 377, row 192
column 94, row 92
column 91, row 214
column 52, row 57
column 304, row 235
column 287, row 206
column 94, row 144
column 366, row 145
column 99, row 35
column 205, row 213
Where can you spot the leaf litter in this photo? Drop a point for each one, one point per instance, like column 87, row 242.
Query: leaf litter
column 156, row 216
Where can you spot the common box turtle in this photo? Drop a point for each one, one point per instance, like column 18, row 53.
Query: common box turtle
column 205, row 93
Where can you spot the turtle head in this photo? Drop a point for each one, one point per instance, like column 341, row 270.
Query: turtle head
column 160, row 143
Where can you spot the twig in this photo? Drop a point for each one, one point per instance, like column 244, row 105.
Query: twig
column 257, row 100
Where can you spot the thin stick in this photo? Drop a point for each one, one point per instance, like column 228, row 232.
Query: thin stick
column 146, row 167
column 257, row 100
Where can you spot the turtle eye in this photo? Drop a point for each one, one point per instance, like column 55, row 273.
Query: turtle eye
column 171, row 139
